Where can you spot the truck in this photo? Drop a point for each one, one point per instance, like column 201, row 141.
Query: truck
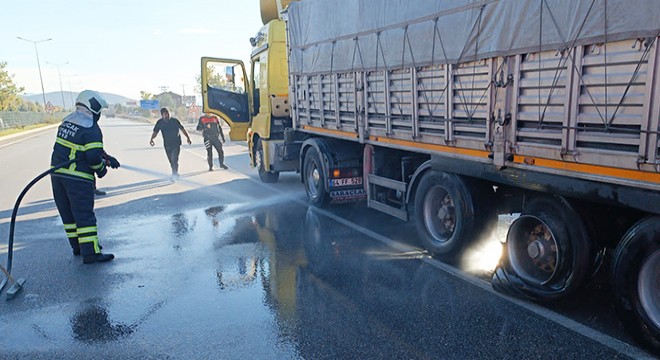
column 449, row 113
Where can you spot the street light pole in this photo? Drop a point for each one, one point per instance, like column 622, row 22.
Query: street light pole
column 73, row 105
column 43, row 92
column 183, row 98
column 60, row 76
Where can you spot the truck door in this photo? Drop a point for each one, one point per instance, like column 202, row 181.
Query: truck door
column 226, row 93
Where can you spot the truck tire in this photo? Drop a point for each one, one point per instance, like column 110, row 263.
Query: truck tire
column 547, row 254
column 445, row 214
column 265, row 176
column 636, row 281
column 315, row 179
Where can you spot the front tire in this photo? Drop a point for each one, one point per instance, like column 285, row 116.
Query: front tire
column 636, row 281
column 265, row 176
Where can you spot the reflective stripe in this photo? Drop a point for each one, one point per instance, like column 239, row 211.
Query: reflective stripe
column 75, row 173
column 69, row 144
column 99, row 166
column 87, row 229
column 94, row 145
column 88, row 239
column 70, row 226
column 71, row 235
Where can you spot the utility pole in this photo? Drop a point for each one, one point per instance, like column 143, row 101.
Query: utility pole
column 60, row 76
column 43, row 92
column 73, row 105
column 183, row 98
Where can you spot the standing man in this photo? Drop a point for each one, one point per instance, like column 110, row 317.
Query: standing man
column 171, row 140
column 211, row 129
column 79, row 138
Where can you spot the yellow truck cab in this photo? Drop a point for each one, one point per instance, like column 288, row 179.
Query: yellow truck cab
column 256, row 108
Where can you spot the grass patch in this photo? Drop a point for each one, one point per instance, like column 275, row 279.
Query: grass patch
column 21, row 129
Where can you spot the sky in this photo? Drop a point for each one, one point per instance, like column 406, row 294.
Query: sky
column 122, row 47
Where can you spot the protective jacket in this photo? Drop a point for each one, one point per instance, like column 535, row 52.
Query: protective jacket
column 210, row 127
column 79, row 137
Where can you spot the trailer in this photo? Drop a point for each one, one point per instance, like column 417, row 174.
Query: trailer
column 448, row 113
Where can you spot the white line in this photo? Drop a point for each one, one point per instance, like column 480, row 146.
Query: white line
column 195, row 153
column 595, row 335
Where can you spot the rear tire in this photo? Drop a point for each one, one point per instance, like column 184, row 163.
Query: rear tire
column 265, row 176
column 636, row 281
column 315, row 179
column 547, row 254
column 445, row 214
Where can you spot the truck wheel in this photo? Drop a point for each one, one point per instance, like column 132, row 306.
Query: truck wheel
column 636, row 281
column 444, row 214
column 547, row 254
column 265, row 176
column 315, row 179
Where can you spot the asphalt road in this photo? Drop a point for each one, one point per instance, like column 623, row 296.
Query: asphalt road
column 220, row 266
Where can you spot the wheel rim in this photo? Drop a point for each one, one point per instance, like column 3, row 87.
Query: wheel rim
column 313, row 179
column 439, row 214
column 533, row 250
column 648, row 285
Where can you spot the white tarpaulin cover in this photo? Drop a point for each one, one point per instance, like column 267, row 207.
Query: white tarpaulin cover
column 345, row 35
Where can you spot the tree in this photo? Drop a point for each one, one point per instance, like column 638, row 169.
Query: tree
column 9, row 92
column 146, row 96
column 29, row 106
column 167, row 100
column 220, row 76
column 119, row 109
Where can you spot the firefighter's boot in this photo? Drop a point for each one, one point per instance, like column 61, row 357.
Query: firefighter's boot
column 89, row 246
column 98, row 257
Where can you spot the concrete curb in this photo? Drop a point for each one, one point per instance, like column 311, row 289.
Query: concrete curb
column 28, row 132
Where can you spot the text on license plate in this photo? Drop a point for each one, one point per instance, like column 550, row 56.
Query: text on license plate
column 346, row 181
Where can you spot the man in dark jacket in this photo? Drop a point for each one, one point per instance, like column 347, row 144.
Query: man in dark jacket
column 170, row 127
column 79, row 138
column 212, row 131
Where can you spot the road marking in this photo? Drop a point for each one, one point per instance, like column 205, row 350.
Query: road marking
column 604, row 339
column 595, row 335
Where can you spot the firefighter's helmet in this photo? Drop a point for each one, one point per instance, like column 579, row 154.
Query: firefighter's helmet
column 92, row 100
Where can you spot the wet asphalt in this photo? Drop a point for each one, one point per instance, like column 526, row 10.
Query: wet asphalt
column 219, row 266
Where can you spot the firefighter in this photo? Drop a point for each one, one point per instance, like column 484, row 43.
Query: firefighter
column 211, row 129
column 79, row 137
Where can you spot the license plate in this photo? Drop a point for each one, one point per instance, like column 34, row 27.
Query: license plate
column 346, row 182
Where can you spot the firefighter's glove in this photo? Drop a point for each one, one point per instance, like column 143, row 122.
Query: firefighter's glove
column 111, row 161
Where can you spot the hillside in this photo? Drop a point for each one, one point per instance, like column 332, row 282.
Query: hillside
column 55, row 98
